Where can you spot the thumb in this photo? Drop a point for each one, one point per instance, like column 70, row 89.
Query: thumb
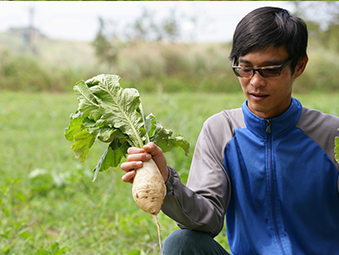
column 153, row 149
column 158, row 157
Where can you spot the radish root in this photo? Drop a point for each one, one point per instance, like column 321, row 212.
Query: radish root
column 159, row 235
column 149, row 191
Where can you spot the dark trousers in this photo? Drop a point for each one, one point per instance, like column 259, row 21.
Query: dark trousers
column 190, row 242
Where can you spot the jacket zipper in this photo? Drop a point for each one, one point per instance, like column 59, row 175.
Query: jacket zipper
column 272, row 188
column 268, row 126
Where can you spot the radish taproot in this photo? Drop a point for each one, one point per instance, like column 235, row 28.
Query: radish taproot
column 149, row 191
column 114, row 115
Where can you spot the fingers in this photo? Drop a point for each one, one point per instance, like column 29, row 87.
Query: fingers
column 134, row 161
column 137, row 155
column 128, row 177
column 150, row 148
column 128, row 166
column 133, row 150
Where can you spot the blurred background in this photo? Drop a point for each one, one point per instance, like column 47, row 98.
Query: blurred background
column 172, row 46
column 174, row 53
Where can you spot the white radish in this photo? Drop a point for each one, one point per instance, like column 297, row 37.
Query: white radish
column 111, row 114
column 148, row 188
column 149, row 191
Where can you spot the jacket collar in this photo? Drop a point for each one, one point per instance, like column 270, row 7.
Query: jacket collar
column 278, row 125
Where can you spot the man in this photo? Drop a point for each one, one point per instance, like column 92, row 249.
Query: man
column 268, row 166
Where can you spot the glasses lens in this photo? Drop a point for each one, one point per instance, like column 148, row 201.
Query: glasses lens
column 242, row 72
column 270, row 72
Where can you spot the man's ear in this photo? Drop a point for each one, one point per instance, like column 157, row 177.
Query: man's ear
column 301, row 65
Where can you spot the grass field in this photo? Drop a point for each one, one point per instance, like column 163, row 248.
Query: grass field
column 47, row 197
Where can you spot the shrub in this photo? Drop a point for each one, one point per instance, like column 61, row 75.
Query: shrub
column 150, row 66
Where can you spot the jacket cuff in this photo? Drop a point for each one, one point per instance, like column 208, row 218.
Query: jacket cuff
column 170, row 181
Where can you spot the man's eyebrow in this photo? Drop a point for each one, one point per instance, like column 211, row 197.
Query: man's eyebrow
column 273, row 62
column 244, row 61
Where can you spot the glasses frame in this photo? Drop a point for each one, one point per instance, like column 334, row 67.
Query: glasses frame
column 259, row 69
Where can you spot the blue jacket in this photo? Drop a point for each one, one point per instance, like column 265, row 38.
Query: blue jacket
column 276, row 180
column 284, row 189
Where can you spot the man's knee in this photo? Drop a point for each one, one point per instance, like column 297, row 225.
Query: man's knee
column 184, row 241
column 180, row 236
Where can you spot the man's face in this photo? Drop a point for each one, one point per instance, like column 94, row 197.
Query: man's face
column 269, row 97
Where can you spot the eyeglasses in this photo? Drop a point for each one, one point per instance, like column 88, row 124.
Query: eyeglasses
column 265, row 72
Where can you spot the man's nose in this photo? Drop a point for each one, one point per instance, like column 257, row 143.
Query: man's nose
column 257, row 80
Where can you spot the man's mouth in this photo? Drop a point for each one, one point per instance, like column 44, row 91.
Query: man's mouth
column 258, row 96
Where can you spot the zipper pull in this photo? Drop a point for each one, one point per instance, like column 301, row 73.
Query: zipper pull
column 268, row 128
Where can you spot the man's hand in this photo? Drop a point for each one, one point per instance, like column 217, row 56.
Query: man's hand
column 136, row 156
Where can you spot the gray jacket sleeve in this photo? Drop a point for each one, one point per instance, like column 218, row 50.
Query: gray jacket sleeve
column 202, row 204
column 322, row 128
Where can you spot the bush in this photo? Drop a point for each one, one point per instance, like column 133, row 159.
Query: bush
column 22, row 73
column 177, row 67
column 320, row 73
column 28, row 73
column 154, row 66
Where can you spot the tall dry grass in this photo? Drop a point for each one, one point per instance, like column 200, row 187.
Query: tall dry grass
column 148, row 66
column 177, row 67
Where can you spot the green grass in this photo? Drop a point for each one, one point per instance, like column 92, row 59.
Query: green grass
column 47, row 197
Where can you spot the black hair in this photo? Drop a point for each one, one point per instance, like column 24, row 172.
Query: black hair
column 268, row 26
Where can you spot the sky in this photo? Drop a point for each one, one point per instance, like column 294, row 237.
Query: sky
column 77, row 20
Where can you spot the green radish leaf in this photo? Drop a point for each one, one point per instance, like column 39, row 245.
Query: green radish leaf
column 336, row 148
column 114, row 115
column 119, row 107
column 88, row 104
column 112, row 156
column 103, row 163
column 83, row 141
column 104, row 134
column 74, row 127
column 163, row 138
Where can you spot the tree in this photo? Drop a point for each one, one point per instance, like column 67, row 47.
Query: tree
column 322, row 19
column 146, row 27
column 104, row 49
column 171, row 27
